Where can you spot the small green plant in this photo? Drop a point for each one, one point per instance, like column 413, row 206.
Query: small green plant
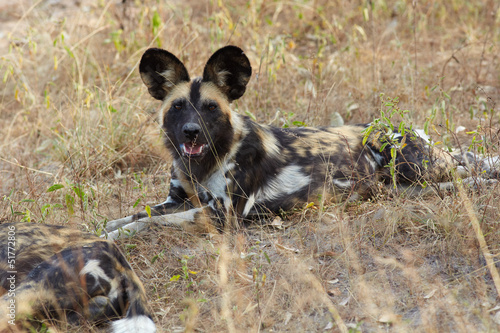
column 144, row 189
column 116, row 37
column 140, row 186
column 26, row 212
column 288, row 122
column 186, row 274
column 155, row 26
column 158, row 256
column 129, row 248
column 484, row 137
column 42, row 328
column 75, row 191
column 441, row 106
column 386, row 130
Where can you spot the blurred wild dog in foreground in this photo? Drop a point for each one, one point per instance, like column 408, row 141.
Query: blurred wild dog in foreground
column 61, row 274
column 226, row 166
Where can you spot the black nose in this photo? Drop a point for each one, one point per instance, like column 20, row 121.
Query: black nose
column 191, row 130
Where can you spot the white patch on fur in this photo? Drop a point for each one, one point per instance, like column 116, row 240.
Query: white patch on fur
column 175, row 183
column 211, row 204
column 421, row 133
column 170, row 76
column 94, row 269
column 169, row 199
column 113, row 292
column 490, row 163
column 396, row 135
column 249, row 205
column 176, row 166
column 371, row 161
column 290, row 180
column 139, row 324
column 238, row 125
column 269, row 142
column 217, row 183
column 344, row 184
column 222, row 77
column 379, row 159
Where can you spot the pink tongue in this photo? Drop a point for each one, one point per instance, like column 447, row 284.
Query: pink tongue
column 190, row 149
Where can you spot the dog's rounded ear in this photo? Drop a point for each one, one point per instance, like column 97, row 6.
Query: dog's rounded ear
column 230, row 70
column 161, row 71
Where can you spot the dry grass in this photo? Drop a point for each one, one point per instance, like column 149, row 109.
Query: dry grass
column 74, row 112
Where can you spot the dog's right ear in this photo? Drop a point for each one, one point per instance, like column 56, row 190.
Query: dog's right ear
column 161, row 71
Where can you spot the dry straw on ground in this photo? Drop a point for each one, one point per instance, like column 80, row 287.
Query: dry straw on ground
column 74, row 112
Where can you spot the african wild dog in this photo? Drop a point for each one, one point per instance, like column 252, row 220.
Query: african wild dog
column 58, row 273
column 227, row 165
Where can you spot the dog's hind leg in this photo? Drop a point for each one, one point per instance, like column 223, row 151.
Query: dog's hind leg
column 486, row 167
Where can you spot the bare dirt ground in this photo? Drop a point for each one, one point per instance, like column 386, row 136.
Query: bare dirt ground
column 74, row 112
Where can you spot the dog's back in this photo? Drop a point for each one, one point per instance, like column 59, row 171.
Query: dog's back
column 55, row 272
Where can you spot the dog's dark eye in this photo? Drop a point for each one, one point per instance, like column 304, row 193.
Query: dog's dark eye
column 178, row 106
column 212, row 107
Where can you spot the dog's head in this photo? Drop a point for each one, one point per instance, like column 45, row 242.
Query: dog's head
column 196, row 115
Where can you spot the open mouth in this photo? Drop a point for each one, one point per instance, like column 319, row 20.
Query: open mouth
column 191, row 149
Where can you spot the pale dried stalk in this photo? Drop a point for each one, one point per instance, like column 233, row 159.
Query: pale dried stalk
column 480, row 237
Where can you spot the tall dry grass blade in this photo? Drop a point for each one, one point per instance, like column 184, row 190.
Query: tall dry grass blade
column 480, row 238
column 16, row 163
column 224, row 286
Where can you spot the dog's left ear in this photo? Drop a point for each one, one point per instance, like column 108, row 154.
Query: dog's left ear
column 230, row 70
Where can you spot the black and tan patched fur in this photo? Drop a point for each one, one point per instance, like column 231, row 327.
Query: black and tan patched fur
column 60, row 274
column 227, row 167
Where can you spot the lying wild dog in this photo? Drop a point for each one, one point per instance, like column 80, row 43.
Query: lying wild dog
column 226, row 165
column 57, row 273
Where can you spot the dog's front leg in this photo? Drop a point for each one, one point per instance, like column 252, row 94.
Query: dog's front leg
column 177, row 201
column 195, row 219
column 168, row 207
